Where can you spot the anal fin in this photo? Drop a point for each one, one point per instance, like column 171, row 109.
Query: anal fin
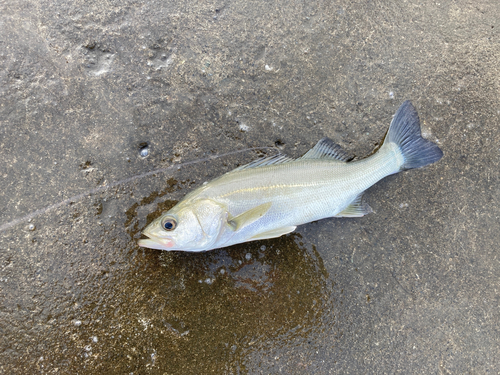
column 357, row 208
column 273, row 233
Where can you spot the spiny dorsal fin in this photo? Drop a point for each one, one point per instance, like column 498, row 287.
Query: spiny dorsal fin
column 357, row 208
column 271, row 160
column 327, row 149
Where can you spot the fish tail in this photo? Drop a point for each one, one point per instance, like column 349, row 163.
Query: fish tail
column 404, row 132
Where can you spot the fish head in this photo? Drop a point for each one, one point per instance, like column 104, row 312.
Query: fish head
column 195, row 226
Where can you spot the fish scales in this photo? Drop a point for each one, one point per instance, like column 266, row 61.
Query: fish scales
column 298, row 183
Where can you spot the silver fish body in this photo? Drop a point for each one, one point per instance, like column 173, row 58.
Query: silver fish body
column 270, row 197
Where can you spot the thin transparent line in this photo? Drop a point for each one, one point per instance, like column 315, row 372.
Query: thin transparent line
column 76, row 198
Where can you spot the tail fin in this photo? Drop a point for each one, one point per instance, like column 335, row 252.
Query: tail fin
column 405, row 133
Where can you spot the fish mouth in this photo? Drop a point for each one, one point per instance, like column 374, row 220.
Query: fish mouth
column 156, row 243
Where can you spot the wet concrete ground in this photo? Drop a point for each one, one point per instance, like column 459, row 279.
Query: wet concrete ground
column 85, row 86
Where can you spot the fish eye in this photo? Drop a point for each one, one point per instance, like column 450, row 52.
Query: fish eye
column 169, row 224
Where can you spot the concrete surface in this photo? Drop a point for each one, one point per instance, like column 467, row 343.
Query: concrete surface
column 84, row 86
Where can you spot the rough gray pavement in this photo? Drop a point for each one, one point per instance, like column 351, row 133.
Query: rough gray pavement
column 85, row 86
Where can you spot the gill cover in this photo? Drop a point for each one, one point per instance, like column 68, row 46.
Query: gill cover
column 189, row 226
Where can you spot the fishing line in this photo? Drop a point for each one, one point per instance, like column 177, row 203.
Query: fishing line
column 99, row 189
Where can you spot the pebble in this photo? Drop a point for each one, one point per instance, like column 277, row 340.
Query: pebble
column 144, row 152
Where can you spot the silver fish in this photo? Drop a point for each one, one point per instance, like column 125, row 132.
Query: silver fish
column 270, row 197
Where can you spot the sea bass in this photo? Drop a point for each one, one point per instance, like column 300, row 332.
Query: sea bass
column 271, row 196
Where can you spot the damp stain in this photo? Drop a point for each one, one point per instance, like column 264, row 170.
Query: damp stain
column 241, row 305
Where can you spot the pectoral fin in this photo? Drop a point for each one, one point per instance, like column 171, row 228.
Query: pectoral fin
column 357, row 208
column 248, row 217
column 273, row 233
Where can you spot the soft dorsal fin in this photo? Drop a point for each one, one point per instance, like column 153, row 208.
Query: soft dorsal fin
column 327, row 149
column 271, row 160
